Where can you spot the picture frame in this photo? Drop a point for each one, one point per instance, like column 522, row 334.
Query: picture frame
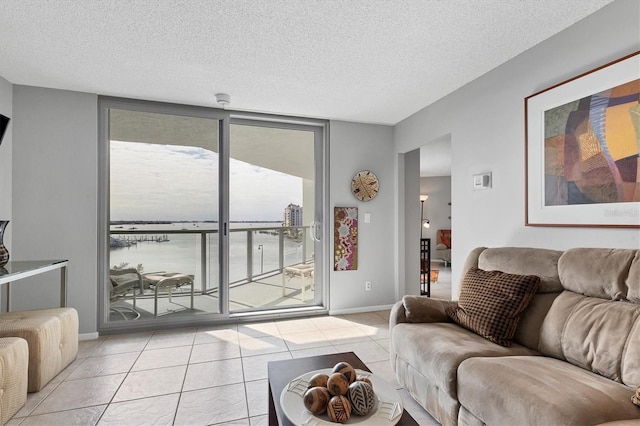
column 582, row 137
column 345, row 238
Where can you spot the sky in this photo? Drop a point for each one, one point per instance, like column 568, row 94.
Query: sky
column 180, row 183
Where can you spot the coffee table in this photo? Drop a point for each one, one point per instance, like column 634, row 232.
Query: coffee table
column 280, row 373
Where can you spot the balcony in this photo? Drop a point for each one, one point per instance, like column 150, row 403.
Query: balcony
column 258, row 256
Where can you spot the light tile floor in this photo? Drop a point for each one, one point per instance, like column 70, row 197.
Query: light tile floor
column 200, row 376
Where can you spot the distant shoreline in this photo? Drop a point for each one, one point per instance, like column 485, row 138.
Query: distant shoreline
column 169, row 222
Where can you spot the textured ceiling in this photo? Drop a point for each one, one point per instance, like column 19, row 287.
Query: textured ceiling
column 358, row 60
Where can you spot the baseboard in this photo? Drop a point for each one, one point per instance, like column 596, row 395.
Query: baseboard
column 359, row 310
column 88, row 336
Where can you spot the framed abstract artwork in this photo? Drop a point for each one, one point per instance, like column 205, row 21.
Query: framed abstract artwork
column 582, row 149
column 345, row 238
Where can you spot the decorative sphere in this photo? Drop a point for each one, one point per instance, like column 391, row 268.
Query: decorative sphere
column 364, row 379
column 339, row 409
column 346, row 369
column 337, row 384
column 316, row 399
column 362, row 397
column 319, row 379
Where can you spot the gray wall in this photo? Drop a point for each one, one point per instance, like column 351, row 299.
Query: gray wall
column 357, row 147
column 486, row 122
column 55, row 195
column 410, row 258
column 6, row 152
column 6, row 109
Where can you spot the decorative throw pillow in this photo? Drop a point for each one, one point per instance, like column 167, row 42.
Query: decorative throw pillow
column 636, row 397
column 491, row 303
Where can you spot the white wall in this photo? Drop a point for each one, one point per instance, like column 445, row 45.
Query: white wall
column 486, row 122
column 357, row 147
column 55, row 196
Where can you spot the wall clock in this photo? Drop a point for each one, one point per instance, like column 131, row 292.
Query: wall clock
column 365, row 185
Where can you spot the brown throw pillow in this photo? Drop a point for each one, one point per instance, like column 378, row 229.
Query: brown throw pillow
column 636, row 397
column 491, row 303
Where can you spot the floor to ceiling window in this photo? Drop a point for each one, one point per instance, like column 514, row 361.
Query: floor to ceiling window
column 205, row 214
column 271, row 212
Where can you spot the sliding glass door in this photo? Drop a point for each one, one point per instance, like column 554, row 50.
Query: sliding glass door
column 205, row 215
column 163, row 209
column 272, row 210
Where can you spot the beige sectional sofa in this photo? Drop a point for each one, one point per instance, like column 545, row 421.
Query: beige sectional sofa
column 574, row 358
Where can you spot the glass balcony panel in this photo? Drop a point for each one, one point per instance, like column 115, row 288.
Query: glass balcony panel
column 238, row 266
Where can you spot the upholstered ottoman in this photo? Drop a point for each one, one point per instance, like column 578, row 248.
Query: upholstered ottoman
column 14, row 361
column 52, row 336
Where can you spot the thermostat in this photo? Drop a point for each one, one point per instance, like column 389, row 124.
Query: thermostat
column 482, row 181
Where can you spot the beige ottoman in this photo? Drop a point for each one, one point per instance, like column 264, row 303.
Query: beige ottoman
column 14, row 361
column 52, row 336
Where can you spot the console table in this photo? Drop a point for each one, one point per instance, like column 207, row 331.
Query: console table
column 19, row 269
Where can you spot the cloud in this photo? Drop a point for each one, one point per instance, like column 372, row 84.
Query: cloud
column 167, row 182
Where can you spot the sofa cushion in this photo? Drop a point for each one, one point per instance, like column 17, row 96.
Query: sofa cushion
column 524, row 261
column 491, row 303
column 598, row 335
column 633, row 280
column 596, row 272
column 631, row 357
column 540, row 391
column 436, row 350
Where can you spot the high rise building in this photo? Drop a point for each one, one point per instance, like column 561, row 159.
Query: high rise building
column 293, row 215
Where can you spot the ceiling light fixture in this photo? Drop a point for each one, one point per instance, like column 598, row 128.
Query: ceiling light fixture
column 223, row 99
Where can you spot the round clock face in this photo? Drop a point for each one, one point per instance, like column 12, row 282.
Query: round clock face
column 365, row 185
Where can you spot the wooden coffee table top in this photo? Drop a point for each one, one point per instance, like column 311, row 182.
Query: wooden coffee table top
column 282, row 372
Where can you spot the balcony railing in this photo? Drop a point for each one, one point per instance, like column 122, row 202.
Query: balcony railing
column 254, row 252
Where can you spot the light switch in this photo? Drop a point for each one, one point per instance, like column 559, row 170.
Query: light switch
column 367, row 218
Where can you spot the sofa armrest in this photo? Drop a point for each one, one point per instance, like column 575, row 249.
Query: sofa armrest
column 419, row 309
column 397, row 315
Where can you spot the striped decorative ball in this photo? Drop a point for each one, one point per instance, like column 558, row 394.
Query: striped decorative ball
column 346, row 369
column 339, row 409
column 316, row 399
column 362, row 398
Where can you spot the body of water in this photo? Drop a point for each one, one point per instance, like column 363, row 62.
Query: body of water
column 181, row 252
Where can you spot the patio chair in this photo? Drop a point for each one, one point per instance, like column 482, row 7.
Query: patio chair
column 124, row 283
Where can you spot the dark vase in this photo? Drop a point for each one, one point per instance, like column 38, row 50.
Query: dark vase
column 4, row 253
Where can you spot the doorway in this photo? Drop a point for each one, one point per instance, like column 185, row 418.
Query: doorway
column 435, row 189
